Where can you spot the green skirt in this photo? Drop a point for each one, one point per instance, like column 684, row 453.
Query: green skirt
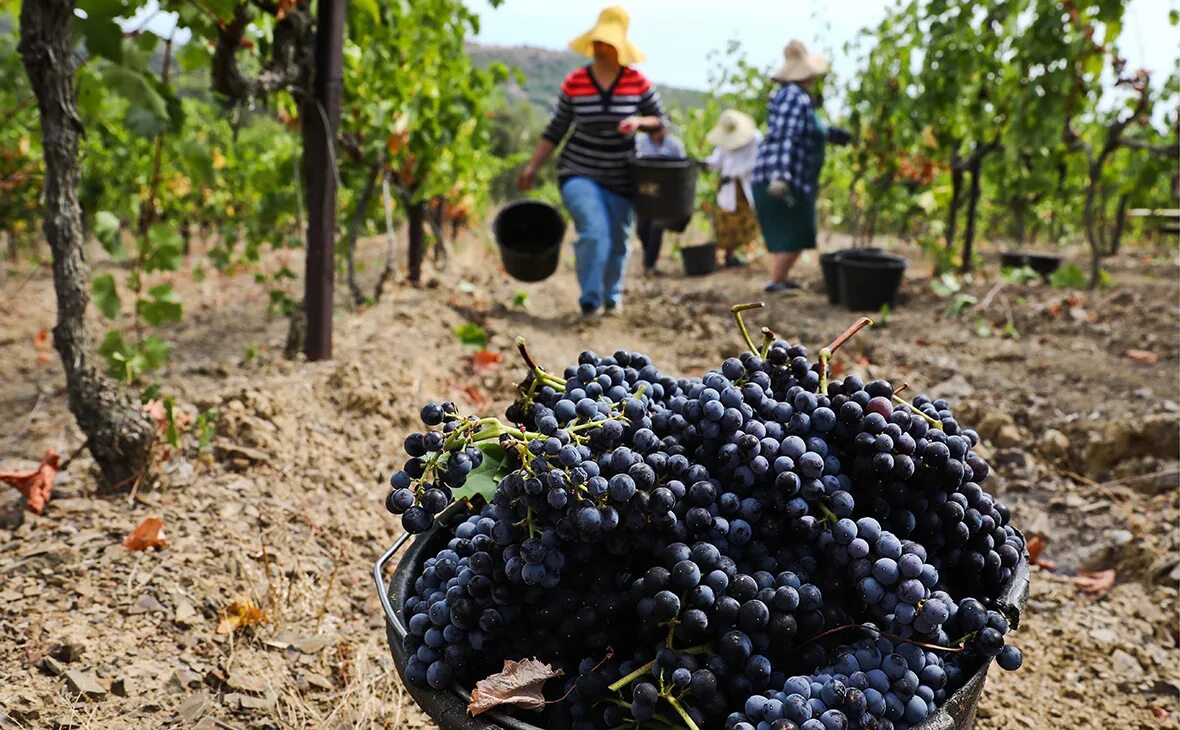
column 785, row 228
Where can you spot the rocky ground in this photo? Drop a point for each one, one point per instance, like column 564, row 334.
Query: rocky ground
column 282, row 511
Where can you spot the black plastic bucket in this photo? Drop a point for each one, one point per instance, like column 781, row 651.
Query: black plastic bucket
column 449, row 708
column 529, row 234
column 1044, row 264
column 665, row 190
column 699, row 260
column 870, row 279
column 829, row 264
column 677, row 226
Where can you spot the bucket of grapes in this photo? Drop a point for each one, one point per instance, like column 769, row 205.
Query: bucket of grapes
column 766, row 546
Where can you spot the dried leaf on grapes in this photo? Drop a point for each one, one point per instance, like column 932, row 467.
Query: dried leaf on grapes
column 518, row 683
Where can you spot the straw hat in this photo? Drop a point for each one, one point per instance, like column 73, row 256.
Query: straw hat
column 610, row 29
column 799, row 64
column 733, row 130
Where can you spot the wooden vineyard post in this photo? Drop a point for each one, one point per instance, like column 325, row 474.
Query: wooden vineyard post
column 321, row 115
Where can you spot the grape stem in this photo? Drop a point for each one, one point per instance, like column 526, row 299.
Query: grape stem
column 698, row 649
column 680, row 711
column 737, row 310
column 847, row 334
column 538, row 371
column 934, row 423
column 886, row 634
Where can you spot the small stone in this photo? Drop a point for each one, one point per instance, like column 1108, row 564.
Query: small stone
column 316, row 680
column 956, row 388
column 84, row 683
column 186, row 677
column 53, row 666
column 1008, row 436
column 246, row 683
column 1120, row 537
column 255, row 703
column 313, row 644
column 194, row 707
column 1126, row 666
column 1053, row 445
column 67, row 653
column 1104, row 636
column 123, row 687
column 65, row 722
column 207, row 723
column 145, row 604
column 186, row 613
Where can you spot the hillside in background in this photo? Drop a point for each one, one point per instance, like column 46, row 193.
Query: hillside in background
column 545, row 69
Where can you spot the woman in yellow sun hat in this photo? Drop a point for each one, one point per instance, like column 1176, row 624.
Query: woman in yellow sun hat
column 606, row 103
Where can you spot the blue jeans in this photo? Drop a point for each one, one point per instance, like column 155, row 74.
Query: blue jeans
column 603, row 221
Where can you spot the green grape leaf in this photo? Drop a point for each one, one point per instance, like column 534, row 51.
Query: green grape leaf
column 103, row 36
column 164, row 250
column 163, row 305
column 106, row 296
column 482, row 480
column 154, row 352
column 1070, row 276
column 472, row 335
column 107, row 230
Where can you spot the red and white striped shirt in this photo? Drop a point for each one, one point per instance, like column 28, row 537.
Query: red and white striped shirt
column 597, row 149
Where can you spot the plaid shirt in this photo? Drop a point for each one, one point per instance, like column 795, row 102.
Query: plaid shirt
column 785, row 152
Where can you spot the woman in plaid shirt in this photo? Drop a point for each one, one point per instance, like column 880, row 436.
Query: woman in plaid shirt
column 786, row 172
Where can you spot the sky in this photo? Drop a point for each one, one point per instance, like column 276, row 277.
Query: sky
column 677, row 35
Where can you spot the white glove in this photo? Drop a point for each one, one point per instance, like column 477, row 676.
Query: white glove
column 778, row 188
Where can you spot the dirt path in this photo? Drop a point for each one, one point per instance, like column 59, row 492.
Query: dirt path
column 285, row 507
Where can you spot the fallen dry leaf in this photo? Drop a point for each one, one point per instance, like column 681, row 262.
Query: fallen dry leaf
column 241, row 613
column 1161, row 713
column 922, row 342
column 36, row 485
column 1096, row 583
column 150, row 533
column 42, row 345
column 473, row 394
column 1147, row 357
column 485, row 361
column 518, row 683
column 1036, row 544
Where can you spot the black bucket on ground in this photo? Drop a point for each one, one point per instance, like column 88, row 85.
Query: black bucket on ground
column 665, row 190
column 1042, row 263
column 870, row 279
column 699, row 260
column 448, row 708
column 829, row 264
column 529, row 234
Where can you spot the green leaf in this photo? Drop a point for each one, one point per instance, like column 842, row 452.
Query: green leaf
column 154, row 351
column 164, row 250
column 103, row 36
column 1068, row 277
column 982, row 328
column 106, row 296
column 107, row 230
column 150, row 393
column 521, row 299
column 946, row 285
column 193, row 56
column 482, row 480
column 958, row 304
column 147, row 113
column 171, row 433
column 472, row 335
column 114, row 350
column 163, row 306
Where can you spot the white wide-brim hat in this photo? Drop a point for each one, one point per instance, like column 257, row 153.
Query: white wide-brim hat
column 799, row 64
column 734, row 130
column 610, row 29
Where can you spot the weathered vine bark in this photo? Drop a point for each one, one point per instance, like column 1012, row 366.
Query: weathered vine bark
column 118, row 435
column 415, row 216
column 972, row 204
column 1120, row 224
column 354, row 227
column 952, row 216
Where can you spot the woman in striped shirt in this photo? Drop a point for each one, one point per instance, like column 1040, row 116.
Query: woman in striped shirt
column 605, row 103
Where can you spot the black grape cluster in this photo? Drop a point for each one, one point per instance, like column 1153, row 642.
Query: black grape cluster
column 756, row 548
